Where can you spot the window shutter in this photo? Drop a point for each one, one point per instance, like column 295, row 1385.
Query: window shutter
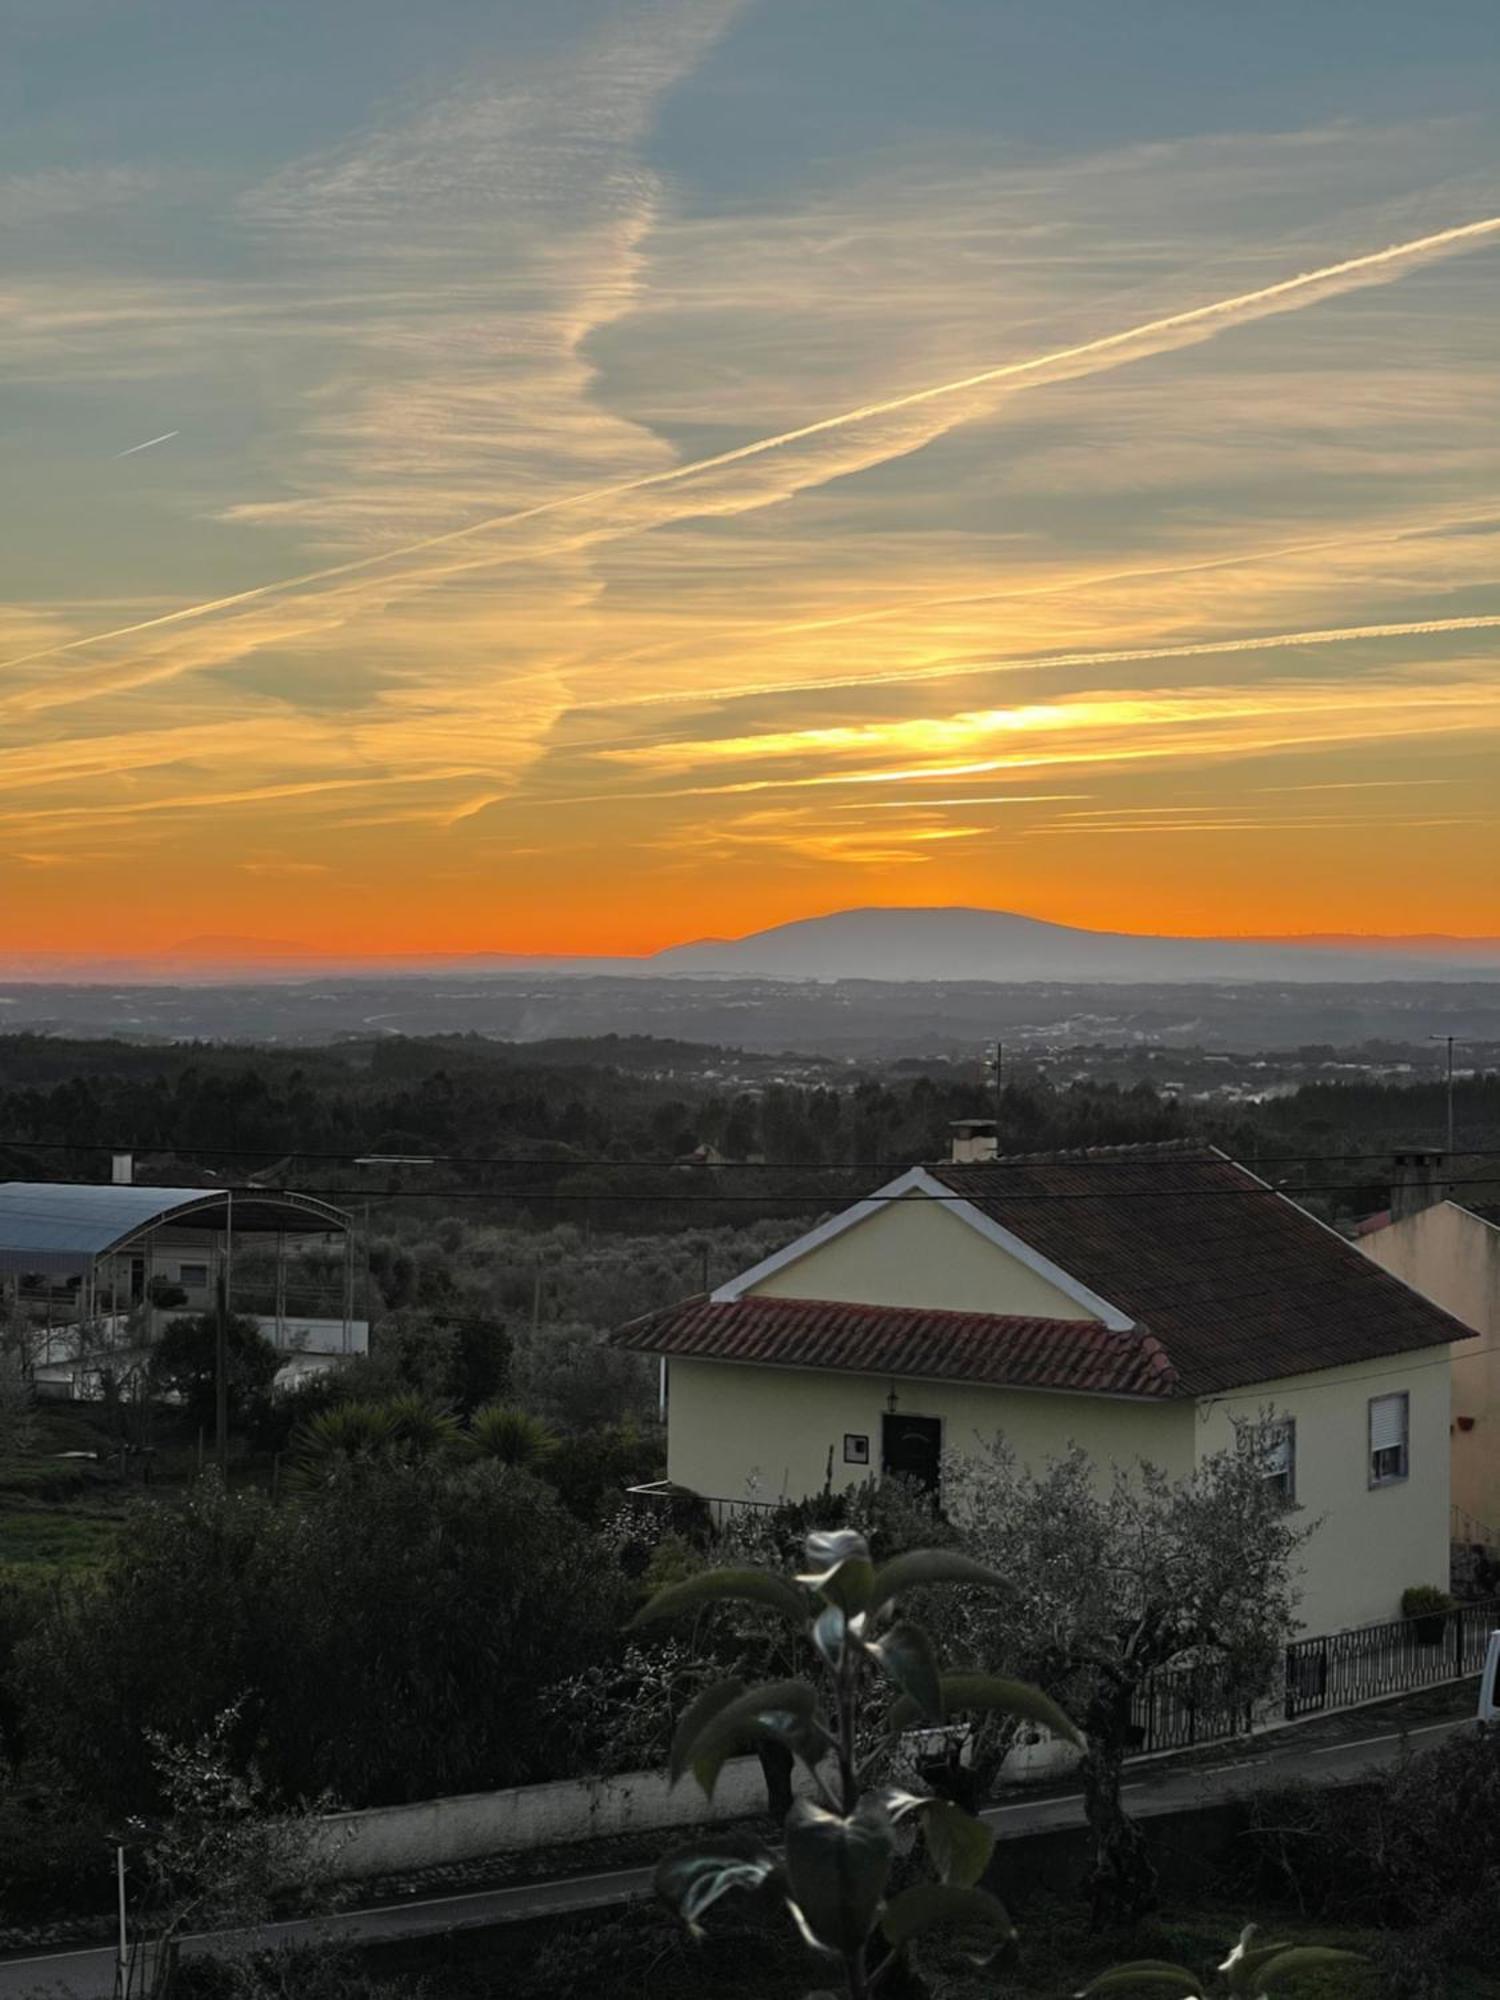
column 1387, row 1423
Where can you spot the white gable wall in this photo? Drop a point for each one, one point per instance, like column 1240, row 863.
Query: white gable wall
column 917, row 1252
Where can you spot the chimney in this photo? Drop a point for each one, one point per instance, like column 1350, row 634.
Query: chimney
column 122, row 1169
column 974, row 1141
column 1416, row 1184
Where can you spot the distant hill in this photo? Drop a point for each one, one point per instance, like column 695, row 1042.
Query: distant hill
column 966, row 944
column 885, row 944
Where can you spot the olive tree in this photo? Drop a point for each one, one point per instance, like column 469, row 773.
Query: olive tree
column 1113, row 1578
column 841, row 1836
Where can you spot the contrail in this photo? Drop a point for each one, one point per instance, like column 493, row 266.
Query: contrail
column 1266, row 298
column 131, row 450
column 1336, row 635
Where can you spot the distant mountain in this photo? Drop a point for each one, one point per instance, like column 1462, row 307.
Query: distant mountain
column 968, row 944
column 900, row 944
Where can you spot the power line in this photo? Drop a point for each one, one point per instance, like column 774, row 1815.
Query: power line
column 1014, row 1163
column 674, row 1198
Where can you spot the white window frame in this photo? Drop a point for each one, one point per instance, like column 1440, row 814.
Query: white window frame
column 193, row 1283
column 1283, row 1431
column 1377, row 1475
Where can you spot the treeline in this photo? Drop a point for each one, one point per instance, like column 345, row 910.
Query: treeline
column 468, row 1095
column 574, row 1116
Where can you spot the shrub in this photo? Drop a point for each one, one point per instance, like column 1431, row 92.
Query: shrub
column 1425, row 1600
column 185, row 1363
column 511, row 1436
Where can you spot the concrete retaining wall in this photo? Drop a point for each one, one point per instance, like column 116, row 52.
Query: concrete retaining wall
column 394, row 1840
column 436, row 1833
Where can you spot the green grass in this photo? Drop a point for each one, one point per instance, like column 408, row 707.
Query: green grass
column 52, row 1539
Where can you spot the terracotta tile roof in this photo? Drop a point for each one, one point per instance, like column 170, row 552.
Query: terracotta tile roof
column 995, row 1348
column 1238, row 1284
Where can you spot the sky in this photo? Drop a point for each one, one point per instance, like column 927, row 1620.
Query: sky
column 484, row 476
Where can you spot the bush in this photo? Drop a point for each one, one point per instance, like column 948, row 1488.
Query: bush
column 1415, row 1848
column 185, row 1363
column 591, row 1469
column 1425, row 1600
column 573, row 1378
column 384, row 1638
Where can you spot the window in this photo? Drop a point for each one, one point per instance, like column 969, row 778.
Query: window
column 193, row 1275
column 1388, row 1439
column 1281, row 1458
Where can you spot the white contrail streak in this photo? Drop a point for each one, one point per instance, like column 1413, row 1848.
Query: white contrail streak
column 1336, row 635
column 1265, row 299
column 131, row 450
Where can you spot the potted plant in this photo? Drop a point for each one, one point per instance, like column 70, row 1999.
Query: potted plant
column 1428, row 1609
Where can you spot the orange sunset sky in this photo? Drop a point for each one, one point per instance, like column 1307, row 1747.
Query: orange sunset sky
column 578, row 479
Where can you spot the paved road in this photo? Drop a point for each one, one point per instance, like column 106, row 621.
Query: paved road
column 1330, row 1751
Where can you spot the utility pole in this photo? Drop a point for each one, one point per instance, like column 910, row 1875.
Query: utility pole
column 996, row 1062
column 1449, row 1040
column 122, row 1950
column 221, row 1371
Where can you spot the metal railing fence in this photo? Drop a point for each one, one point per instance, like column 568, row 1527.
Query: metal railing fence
column 1374, row 1660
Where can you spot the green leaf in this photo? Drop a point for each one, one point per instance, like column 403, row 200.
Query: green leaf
column 959, row 1844
column 1302, row 1958
column 923, row 1566
column 695, row 1718
column 963, row 1692
column 693, row 1879
column 713, row 1586
column 836, row 1874
column 933, row 1905
column 839, row 1568
column 1147, row 1972
column 905, row 1652
column 1244, row 1963
column 783, row 1709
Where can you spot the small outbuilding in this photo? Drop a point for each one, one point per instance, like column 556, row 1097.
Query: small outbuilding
column 96, row 1270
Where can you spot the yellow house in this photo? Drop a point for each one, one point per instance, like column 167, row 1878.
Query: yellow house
column 1139, row 1302
column 1451, row 1253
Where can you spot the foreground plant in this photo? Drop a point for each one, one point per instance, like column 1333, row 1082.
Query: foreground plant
column 841, row 1840
column 1254, row 1971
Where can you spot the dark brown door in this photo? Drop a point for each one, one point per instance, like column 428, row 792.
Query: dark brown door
column 913, row 1447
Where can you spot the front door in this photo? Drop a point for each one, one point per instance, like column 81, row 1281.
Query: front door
column 913, row 1448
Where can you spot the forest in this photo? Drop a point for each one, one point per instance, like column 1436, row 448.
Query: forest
column 631, row 1133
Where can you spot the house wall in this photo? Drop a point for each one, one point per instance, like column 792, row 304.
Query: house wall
column 1370, row 1542
column 915, row 1253
column 1453, row 1258
column 742, row 1432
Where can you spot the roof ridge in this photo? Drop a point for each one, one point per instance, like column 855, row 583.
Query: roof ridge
column 1142, row 1149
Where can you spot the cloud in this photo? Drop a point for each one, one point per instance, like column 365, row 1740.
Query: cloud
column 499, row 368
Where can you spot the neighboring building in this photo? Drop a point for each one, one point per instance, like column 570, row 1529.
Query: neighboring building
column 1450, row 1252
column 84, row 1267
column 1140, row 1302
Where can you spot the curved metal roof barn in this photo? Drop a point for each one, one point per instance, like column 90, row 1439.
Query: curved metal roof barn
column 62, row 1228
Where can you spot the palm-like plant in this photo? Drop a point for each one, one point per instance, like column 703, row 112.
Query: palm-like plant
column 421, row 1427
column 355, row 1433
column 512, row 1436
